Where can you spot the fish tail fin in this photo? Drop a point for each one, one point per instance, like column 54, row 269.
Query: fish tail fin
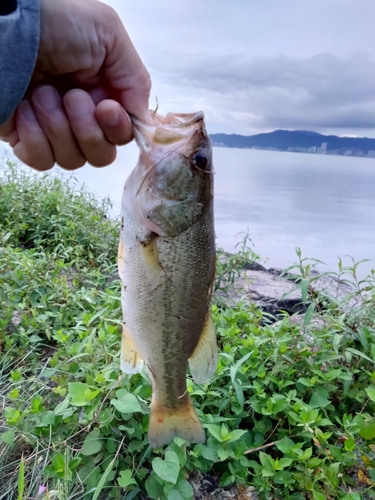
column 167, row 423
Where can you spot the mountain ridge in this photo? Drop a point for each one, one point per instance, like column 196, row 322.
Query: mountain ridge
column 300, row 141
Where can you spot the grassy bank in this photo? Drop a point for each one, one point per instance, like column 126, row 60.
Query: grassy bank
column 290, row 410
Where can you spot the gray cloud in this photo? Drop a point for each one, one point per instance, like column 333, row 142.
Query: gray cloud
column 319, row 92
column 259, row 65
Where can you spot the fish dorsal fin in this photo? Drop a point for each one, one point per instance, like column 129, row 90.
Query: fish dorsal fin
column 150, row 258
column 203, row 362
column 131, row 362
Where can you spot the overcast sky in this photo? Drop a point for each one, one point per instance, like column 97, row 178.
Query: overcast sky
column 259, row 65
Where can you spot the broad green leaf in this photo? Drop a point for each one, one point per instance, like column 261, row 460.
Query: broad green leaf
column 61, row 407
column 209, row 453
column 16, row 376
column 371, row 393
column 167, row 469
column 215, row 430
column 58, row 463
column 92, row 444
column 8, row 437
column 367, row 430
column 14, row 393
column 223, row 453
column 154, row 489
column 266, row 461
column 81, row 394
column 285, row 445
column 185, row 489
column 235, row 435
column 305, row 381
column 74, row 463
column 285, row 462
column 126, row 478
column 127, row 404
column 349, row 444
column 319, row 398
column 48, row 418
column 12, row 415
column 174, row 495
column 318, row 496
column 279, row 406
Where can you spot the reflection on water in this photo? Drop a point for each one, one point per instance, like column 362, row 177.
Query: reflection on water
column 323, row 204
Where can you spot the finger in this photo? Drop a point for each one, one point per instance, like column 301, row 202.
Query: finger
column 80, row 110
column 115, row 122
column 8, row 131
column 52, row 118
column 98, row 94
column 33, row 147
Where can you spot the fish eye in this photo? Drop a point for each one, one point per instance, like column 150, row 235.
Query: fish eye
column 200, row 160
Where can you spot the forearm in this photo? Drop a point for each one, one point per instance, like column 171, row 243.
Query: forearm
column 19, row 42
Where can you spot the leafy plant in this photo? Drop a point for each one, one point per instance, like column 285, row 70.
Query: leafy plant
column 290, row 410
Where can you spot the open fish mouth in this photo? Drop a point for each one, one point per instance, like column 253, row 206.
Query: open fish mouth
column 171, row 129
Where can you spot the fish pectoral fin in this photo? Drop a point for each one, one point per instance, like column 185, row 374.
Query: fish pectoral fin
column 150, row 258
column 131, row 362
column 120, row 258
column 203, row 362
column 166, row 423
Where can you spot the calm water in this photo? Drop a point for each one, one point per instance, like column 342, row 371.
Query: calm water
column 323, row 204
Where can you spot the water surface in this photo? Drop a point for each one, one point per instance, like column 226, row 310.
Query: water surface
column 323, row 204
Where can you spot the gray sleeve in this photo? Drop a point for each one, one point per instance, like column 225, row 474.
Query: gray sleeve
column 19, row 42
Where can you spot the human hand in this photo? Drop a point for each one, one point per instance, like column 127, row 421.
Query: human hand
column 88, row 78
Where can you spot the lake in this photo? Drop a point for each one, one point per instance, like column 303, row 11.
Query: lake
column 323, row 204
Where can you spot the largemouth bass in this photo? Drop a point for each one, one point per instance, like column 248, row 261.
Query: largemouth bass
column 167, row 266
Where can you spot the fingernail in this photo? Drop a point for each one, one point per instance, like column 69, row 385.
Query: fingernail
column 48, row 97
column 27, row 111
column 78, row 103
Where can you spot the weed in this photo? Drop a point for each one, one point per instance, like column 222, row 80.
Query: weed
column 290, row 409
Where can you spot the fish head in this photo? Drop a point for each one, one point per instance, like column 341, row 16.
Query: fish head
column 172, row 185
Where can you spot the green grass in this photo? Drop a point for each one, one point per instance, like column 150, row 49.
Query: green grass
column 289, row 411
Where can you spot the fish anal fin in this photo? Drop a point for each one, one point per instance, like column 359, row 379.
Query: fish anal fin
column 150, row 257
column 167, row 423
column 203, row 362
column 131, row 362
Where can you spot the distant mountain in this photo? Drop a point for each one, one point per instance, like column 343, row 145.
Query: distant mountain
column 299, row 140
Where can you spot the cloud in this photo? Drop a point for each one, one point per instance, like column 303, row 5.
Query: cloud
column 244, row 94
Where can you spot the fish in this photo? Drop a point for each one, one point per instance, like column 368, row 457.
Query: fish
column 166, row 262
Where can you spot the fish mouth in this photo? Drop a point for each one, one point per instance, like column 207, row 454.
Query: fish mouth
column 167, row 131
